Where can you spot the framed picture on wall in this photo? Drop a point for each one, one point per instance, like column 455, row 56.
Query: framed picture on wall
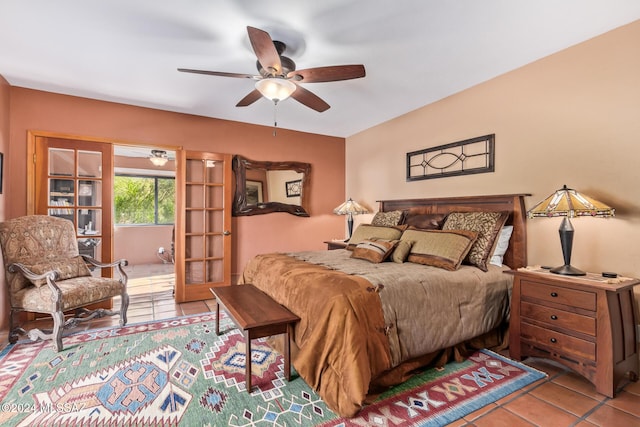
column 293, row 188
column 254, row 192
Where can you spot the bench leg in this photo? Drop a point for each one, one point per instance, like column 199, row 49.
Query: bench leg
column 217, row 318
column 287, row 353
column 247, row 362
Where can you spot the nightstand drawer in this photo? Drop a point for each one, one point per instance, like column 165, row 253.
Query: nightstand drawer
column 559, row 318
column 558, row 343
column 559, row 295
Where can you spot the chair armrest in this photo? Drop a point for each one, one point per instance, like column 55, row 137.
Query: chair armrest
column 118, row 264
column 21, row 268
column 96, row 263
column 50, row 276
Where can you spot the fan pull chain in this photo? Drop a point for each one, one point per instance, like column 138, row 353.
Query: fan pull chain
column 275, row 118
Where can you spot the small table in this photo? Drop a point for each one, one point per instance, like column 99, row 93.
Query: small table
column 258, row 316
column 336, row 244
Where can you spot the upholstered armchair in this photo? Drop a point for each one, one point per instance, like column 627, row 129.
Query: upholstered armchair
column 45, row 274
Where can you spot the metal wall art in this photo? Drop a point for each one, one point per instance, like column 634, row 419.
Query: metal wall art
column 475, row 155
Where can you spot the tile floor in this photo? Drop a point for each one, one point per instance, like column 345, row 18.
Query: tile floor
column 562, row 399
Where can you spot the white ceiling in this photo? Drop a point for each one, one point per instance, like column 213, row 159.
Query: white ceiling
column 415, row 51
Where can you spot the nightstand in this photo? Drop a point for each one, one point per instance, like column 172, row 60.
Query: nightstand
column 587, row 323
column 336, row 244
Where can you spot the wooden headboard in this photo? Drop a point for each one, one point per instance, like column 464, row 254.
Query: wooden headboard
column 516, row 255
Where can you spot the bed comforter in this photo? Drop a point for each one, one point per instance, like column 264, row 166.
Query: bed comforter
column 359, row 320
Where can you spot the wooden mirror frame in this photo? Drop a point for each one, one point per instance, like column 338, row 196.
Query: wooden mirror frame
column 240, row 208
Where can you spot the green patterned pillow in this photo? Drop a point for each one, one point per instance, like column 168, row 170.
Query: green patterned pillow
column 486, row 224
column 67, row 268
column 438, row 248
column 387, row 219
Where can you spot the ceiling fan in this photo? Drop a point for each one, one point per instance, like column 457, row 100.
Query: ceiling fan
column 279, row 79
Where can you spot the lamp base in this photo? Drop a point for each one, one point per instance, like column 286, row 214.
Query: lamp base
column 568, row 270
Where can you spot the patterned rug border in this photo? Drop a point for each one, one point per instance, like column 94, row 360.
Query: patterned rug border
column 483, row 399
column 439, row 417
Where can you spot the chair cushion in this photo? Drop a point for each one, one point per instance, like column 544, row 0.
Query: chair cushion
column 76, row 292
column 67, row 269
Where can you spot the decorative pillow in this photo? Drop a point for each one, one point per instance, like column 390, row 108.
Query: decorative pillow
column 443, row 249
column 67, row 268
column 374, row 250
column 387, row 219
column 501, row 246
column 401, row 251
column 368, row 232
column 486, row 224
column 424, row 221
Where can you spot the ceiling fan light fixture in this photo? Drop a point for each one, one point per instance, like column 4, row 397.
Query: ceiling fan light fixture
column 275, row 89
column 159, row 157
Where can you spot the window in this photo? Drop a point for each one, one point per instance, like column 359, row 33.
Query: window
column 144, row 200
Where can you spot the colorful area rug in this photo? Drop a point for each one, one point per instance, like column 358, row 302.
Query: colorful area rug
column 178, row 372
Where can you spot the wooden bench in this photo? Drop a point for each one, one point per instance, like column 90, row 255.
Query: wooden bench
column 258, row 316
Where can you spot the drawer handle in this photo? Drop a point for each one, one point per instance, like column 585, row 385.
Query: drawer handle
column 554, row 294
column 553, row 340
column 554, row 317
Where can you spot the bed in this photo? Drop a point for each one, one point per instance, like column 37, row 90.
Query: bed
column 367, row 325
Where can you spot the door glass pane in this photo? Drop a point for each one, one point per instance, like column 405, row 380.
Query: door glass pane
column 90, row 164
column 194, row 246
column 194, row 195
column 214, row 172
column 214, row 246
column 214, row 196
column 89, row 246
column 215, row 221
column 61, row 162
column 194, row 171
column 194, row 273
column 215, row 271
column 61, row 198
column 89, row 222
column 194, row 221
column 89, row 193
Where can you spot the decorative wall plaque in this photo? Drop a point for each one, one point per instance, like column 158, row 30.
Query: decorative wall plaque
column 475, row 155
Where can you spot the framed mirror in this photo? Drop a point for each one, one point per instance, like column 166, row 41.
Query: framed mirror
column 265, row 187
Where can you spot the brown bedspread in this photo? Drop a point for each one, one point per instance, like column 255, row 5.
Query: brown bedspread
column 358, row 323
column 340, row 338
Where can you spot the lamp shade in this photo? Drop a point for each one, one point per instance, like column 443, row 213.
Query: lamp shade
column 350, row 207
column 568, row 202
column 276, row 89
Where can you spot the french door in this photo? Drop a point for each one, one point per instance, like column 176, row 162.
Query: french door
column 73, row 181
column 203, row 224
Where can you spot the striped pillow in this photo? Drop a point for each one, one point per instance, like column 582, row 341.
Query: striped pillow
column 438, row 248
column 374, row 250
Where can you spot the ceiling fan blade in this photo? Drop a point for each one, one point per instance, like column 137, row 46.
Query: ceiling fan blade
column 252, row 97
column 328, row 74
column 218, row 73
column 265, row 50
column 310, row 99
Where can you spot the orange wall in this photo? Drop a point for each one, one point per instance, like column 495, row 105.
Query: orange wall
column 4, row 140
column 43, row 111
column 571, row 118
column 4, row 148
